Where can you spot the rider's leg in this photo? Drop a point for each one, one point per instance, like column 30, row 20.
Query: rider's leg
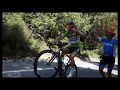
column 72, row 55
column 66, row 50
column 72, row 63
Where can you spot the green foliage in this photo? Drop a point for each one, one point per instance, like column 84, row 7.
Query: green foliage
column 15, row 35
column 94, row 53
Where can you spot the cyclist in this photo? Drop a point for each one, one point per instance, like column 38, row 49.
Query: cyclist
column 108, row 56
column 73, row 34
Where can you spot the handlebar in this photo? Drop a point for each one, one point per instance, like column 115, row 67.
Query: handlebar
column 58, row 43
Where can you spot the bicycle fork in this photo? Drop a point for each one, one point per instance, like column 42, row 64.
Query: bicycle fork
column 60, row 69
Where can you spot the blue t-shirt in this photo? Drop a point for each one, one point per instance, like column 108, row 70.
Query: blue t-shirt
column 109, row 46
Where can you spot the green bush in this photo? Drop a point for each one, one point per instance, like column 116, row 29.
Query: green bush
column 16, row 37
column 93, row 53
column 18, row 27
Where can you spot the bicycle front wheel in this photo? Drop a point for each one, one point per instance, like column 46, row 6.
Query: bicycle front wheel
column 45, row 64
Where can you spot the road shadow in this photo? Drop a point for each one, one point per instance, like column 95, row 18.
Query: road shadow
column 86, row 58
column 90, row 73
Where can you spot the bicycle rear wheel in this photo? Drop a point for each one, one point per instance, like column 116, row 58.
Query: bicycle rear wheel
column 45, row 64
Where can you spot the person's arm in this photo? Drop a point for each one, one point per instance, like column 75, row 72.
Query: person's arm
column 60, row 38
column 98, row 29
column 75, row 29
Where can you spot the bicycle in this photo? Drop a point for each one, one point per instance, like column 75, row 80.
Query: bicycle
column 52, row 62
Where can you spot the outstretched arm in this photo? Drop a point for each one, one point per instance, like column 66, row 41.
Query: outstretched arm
column 98, row 29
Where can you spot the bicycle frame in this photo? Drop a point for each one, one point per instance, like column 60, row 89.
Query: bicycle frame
column 57, row 54
column 61, row 69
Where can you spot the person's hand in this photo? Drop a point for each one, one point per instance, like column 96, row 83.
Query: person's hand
column 74, row 28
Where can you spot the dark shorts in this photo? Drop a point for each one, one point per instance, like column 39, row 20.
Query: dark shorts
column 71, row 49
column 107, row 60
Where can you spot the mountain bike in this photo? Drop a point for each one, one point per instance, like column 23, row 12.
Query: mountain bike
column 48, row 62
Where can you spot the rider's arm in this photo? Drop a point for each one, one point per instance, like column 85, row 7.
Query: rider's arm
column 62, row 37
column 59, row 38
column 78, row 31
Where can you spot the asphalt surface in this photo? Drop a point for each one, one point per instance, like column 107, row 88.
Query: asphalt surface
column 24, row 69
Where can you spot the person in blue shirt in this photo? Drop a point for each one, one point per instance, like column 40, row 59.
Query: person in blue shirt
column 108, row 55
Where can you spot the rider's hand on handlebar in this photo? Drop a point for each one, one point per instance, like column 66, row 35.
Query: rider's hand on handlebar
column 75, row 29
column 54, row 42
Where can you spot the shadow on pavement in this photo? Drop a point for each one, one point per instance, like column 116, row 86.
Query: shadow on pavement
column 89, row 73
column 97, row 63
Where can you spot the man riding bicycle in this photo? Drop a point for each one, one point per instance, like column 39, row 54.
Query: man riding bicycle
column 73, row 34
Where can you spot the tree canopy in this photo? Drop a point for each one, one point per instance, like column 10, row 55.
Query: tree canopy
column 23, row 32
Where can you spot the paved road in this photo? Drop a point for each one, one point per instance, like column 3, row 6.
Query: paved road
column 24, row 69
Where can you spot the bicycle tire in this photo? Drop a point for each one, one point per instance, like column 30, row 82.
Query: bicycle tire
column 36, row 62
